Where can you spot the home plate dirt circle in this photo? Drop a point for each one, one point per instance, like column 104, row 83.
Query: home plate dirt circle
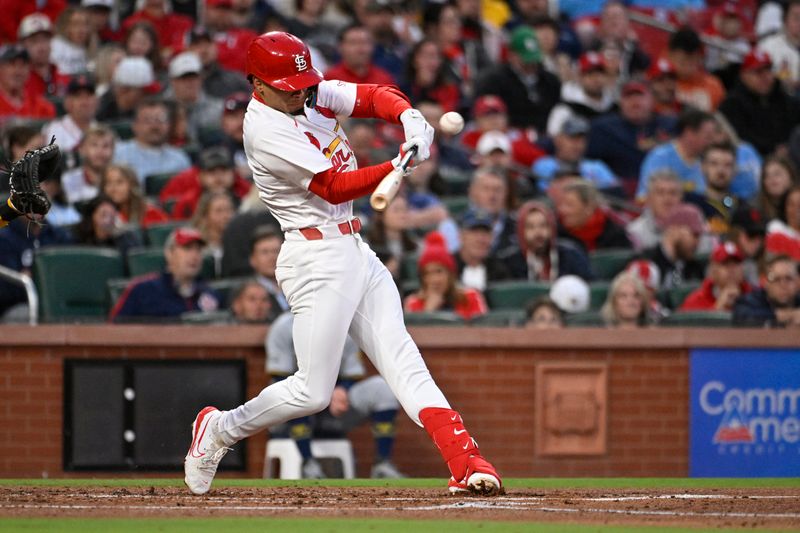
column 773, row 508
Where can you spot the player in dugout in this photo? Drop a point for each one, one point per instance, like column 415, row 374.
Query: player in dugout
column 307, row 176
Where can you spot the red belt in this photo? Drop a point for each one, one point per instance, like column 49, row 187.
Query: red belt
column 345, row 228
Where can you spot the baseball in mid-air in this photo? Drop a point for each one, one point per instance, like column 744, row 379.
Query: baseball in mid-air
column 451, row 123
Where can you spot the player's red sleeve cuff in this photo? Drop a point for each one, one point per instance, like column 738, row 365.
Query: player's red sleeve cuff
column 380, row 101
column 339, row 187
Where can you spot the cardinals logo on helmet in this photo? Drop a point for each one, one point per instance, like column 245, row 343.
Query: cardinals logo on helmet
column 300, row 62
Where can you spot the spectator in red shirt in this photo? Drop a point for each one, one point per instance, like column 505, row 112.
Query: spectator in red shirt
column 232, row 42
column 120, row 184
column 15, row 101
column 214, row 174
column 170, row 27
column 439, row 290
column 724, row 283
column 356, row 48
column 35, row 34
column 491, row 114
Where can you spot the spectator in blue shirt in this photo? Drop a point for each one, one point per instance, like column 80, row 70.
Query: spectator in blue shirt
column 148, row 152
column 570, row 147
column 777, row 304
column 173, row 292
column 682, row 156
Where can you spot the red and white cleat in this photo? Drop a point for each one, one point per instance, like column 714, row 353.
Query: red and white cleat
column 205, row 453
column 481, row 479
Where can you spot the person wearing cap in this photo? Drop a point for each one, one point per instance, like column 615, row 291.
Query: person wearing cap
column 695, row 131
column 15, row 11
column 170, row 27
column 356, row 50
column 777, row 302
column 784, row 47
column 648, row 273
column 758, row 108
column 676, row 253
column 696, row 87
column 178, row 289
column 133, row 77
column 80, row 104
column 622, row 139
column 35, row 34
column 231, row 39
column 233, row 110
column 663, row 80
column 218, row 81
column 723, row 284
column 585, row 221
column 490, row 113
column 732, row 42
column 747, row 230
column 101, row 21
column 541, row 255
column 570, row 149
column 591, row 96
column 627, row 304
column 96, row 149
column 529, row 92
column 571, row 294
column 203, row 112
column 148, row 152
column 15, row 101
column 214, row 173
column 476, row 266
column 439, row 287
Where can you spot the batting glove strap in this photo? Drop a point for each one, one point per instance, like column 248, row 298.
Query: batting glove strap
column 418, row 131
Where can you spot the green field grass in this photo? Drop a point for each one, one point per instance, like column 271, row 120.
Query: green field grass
column 357, row 525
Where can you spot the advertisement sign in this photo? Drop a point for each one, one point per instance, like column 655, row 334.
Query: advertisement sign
column 744, row 413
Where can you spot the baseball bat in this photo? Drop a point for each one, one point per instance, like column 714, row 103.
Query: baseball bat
column 387, row 188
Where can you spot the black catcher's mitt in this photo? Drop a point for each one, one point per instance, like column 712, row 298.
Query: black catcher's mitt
column 36, row 165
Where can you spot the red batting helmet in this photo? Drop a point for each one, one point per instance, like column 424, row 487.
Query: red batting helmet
column 281, row 60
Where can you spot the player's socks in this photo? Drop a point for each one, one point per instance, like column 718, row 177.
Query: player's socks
column 455, row 444
column 383, row 430
column 300, row 431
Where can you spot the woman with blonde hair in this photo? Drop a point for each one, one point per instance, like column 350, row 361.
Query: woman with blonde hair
column 214, row 211
column 628, row 303
column 120, row 184
column 75, row 44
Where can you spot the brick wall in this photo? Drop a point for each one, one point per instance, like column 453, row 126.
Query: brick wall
column 488, row 375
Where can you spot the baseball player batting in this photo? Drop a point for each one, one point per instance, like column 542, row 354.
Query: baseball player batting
column 307, row 176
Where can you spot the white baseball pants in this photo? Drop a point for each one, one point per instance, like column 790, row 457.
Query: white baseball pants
column 335, row 286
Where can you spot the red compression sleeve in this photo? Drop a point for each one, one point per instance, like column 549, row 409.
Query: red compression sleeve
column 339, row 187
column 380, row 101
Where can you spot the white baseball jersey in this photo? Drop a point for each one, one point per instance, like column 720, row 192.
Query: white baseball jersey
column 286, row 151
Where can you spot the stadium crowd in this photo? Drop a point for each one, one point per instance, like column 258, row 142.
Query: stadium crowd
column 625, row 163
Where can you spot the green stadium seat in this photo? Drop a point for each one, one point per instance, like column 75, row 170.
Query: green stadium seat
column 584, row 320
column 439, row 318
column 225, row 288
column 608, row 263
column 155, row 182
column 456, row 205
column 150, row 259
column 408, row 268
column 708, row 319
column 598, row 292
column 71, row 281
column 514, row 294
column 674, row 297
column 157, row 233
column 123, row 128
column 207, row 317
column 500, row 318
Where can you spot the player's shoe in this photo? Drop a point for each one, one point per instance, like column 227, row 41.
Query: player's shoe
column 205, row 453
column 385, row 470
column 312, row 469
column 481, row 479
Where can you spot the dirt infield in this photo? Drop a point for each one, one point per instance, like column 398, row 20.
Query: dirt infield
column 747, row 508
